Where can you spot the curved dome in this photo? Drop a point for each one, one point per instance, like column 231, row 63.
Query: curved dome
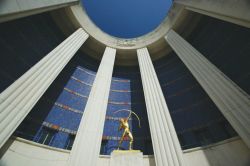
column 76, row 16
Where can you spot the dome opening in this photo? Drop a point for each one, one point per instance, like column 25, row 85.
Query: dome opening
column 129, row 18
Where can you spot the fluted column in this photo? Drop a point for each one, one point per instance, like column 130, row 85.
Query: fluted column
column 167, row 150
column 20, row 97
column 86, row 148
column 232, row 101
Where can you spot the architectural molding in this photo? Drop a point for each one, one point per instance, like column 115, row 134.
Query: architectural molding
column 10, row 10
column 234, row 11
column 76, row 16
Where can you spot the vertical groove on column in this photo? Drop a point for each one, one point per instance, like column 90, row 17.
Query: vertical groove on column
column 150, row 106
column 87, row 144
column 18, row 99
column 151, row 117
column 167, row 150
column 232, row 101
column 158, row 106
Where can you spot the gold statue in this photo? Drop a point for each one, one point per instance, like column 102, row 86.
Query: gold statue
column 125, row 125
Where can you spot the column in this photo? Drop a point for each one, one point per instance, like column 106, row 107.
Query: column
column 234, row 11
column 13, row 9
column 232, row 101
column 167, row 150
column 20, row 97
column 87, row 144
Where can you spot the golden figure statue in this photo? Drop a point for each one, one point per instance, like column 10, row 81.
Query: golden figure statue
column 125, row 125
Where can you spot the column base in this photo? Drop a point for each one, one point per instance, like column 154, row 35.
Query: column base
column 126, row 158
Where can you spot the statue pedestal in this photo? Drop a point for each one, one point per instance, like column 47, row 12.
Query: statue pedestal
column 126, row 158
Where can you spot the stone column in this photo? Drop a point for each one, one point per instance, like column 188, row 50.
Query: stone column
column 234, row 11
column 232, row 101
column 167, row 150
column 20, row 97
column 86, row 148
column 14, row 9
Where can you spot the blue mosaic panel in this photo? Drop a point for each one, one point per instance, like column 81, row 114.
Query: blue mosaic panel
column 64, row 118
